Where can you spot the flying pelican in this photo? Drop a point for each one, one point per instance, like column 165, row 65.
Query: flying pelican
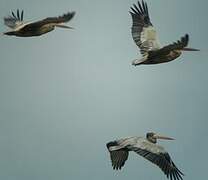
column 146, row 147
column 145, row 37
column 37, row 28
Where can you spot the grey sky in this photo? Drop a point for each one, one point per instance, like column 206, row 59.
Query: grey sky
column 64, row 95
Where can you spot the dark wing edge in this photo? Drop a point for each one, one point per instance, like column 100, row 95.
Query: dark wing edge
column 164, row 162
column 60, row 19
column 13, row 20
column 118, row 157
column 140, row 16
column 143, row 32
column 179, row 45
column 53, row 20
column 141, row 20
column 18, row 17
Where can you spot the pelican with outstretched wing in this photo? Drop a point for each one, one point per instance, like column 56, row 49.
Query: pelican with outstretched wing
column 145, row 37
column 37, row 28
column 146, row 147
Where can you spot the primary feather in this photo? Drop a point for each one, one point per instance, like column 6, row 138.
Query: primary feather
column 14, row 21
column 143, row 32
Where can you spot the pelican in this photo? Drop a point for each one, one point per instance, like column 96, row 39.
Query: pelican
column 145, row 37
column 37, row 28
column 146, row 147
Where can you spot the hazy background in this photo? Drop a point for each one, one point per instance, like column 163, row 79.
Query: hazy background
column 65, row 94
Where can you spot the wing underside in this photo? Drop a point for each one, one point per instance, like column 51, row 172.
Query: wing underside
column 143, row 32
column 157, row 155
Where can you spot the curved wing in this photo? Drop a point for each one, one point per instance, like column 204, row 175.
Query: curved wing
column 179, row 45
column 143, row 32
column 14, row 21
column 53, row 20
column 118, row 157
column 157, row 155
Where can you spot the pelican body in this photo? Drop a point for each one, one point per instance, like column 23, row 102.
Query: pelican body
column 145, row 37
column 146, row 147
column 29, row 32
column 37, row 28
column 26, row 32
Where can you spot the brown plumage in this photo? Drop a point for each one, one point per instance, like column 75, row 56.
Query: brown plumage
column 37, row 28
column 145, row 37
column 146, row 147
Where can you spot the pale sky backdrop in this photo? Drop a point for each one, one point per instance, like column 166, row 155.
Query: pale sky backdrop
column 65, row 94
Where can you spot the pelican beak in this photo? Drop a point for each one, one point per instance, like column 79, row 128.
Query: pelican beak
column 162, row 137
column 64, row 26
column 190, row 49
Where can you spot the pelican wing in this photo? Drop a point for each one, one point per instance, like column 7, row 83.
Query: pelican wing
column 118, row 157
column 143, row 32
column 14, row 21
column 179, row 45
column 52, row 20
column 157, row 155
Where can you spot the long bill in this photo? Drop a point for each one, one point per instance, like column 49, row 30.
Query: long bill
column 190, row 49
column 64, row 26
column 162, row 137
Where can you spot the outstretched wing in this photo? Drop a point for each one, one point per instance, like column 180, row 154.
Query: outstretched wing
column 14, row 21
column 118, row 157
column 157, row 155
column 143, row 32
column 179, row 45
column 53, row 20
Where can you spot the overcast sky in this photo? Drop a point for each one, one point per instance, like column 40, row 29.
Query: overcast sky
column 65, row 94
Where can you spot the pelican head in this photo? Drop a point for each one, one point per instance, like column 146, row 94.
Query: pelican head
column 152, row 137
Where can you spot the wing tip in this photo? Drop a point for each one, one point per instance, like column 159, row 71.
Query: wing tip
column 18, row 16
column 186, row 36
column 185, row 39
column 67, row 16
column 72, row 13
column 111, row 143
column 141, row 11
